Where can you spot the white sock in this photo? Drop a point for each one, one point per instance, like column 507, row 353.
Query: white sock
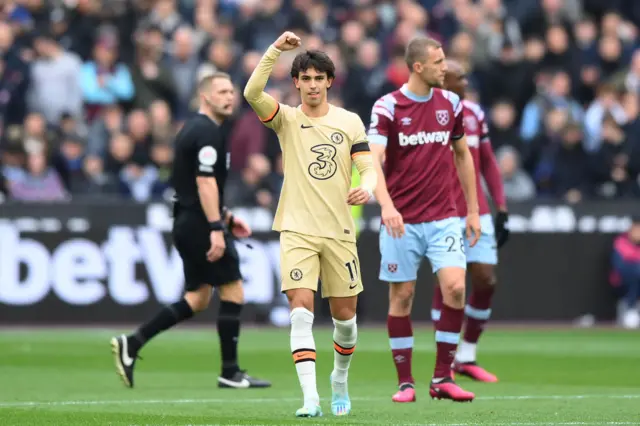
column 303, row 349
column 466, row 352
column 345, row 336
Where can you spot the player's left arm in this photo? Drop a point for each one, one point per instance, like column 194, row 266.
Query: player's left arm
column 491, row 173
column 362, row 158
column 466, row 173
column 490, row 170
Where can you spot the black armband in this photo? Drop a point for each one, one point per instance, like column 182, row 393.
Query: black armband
column 217, row 225
column 359, row 147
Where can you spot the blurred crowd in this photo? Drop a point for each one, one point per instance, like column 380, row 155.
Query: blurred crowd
column 93, row 91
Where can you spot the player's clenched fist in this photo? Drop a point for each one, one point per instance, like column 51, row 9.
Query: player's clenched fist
column 287, row 41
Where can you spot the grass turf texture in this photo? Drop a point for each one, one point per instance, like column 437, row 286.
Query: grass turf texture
column 555, row 377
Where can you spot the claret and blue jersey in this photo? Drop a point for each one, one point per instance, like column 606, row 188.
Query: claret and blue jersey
column 417, row 132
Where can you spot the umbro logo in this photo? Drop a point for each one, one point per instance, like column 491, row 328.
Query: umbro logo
column 302, row 126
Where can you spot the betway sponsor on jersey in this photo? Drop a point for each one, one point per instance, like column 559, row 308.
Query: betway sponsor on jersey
column 422, row 138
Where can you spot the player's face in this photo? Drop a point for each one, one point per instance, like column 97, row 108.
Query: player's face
column 433, row 70
column 221, row 97
column 313, row 86
column 457, row 82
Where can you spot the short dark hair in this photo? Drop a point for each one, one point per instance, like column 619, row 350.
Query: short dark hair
column 315, row 59
column 417, row 49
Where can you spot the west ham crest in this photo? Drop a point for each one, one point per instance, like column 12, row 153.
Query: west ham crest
column 392, row 267
column 442, row 116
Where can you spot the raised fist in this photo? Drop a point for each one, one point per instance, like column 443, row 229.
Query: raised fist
column 287, row 41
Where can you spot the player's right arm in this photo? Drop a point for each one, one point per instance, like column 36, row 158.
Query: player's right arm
column 206, row 162
column 261, row 102
column 381, row 118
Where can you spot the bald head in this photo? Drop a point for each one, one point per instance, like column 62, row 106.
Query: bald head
column 454, row 67
column 455, row 78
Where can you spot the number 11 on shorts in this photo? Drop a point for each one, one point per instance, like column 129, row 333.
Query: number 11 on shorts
column 353, row 270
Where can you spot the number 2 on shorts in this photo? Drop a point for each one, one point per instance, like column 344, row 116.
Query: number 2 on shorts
column 452, row 241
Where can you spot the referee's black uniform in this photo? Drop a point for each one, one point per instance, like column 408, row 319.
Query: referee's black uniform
column 200, row 150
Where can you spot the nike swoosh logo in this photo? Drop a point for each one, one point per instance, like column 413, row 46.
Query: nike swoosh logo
column 243, row 384
column 351, row 287
column 126, row 359
column 302, row 126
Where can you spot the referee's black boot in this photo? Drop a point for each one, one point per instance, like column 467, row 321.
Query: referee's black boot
column 124, row 359
column 241, row 380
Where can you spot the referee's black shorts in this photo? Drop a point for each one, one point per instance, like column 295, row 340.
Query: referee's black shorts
column 191, row 238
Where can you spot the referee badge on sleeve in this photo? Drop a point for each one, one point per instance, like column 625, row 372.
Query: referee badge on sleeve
column 207, row 157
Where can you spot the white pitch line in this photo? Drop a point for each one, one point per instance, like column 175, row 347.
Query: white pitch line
column 475, row 424
column 16, row 404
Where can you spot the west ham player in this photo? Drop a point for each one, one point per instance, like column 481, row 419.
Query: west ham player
column 320, row 143
column 415, row 129
column 482, row 258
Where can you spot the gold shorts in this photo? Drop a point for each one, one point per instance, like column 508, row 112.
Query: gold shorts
column 305, row 258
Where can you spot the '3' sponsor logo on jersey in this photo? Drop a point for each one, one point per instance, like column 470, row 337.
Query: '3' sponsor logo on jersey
column 325, row 166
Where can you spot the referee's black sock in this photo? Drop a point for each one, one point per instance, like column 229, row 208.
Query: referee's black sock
column 165, row 319
column 229, row 330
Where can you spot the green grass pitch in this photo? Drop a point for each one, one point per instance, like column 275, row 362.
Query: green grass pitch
column 548, row 377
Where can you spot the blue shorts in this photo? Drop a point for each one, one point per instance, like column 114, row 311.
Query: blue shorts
column 485, row 251
column 440, row 241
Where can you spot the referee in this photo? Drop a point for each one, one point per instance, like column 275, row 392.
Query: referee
column 201, row 235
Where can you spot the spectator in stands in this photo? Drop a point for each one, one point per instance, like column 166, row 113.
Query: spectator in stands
column 151, row 78
column 554, row 95
column 104, row 81
column 55, row 84
column 611, row 162
column 73, row 152
column 161, row 159
column 119, row 153
column 569, row 178
column 184, row 63
column 365, row 79
column 252, row 189
column 97, row 182
column 138, row 178
column 39, row 182
column 12, row 156
column 625, row 274
column 109, row 123
column 502, row 126
column 139, row 130
column 606, row 103
column 14, row 80
column 221, row 56
column 166, row 17
column 628, row 79
column 161, row 123
column 518, row 186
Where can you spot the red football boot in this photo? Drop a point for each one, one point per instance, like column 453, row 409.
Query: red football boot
column 447, row 389
column 474, row 371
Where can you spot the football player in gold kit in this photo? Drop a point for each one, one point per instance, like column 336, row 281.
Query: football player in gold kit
column 319, row 142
